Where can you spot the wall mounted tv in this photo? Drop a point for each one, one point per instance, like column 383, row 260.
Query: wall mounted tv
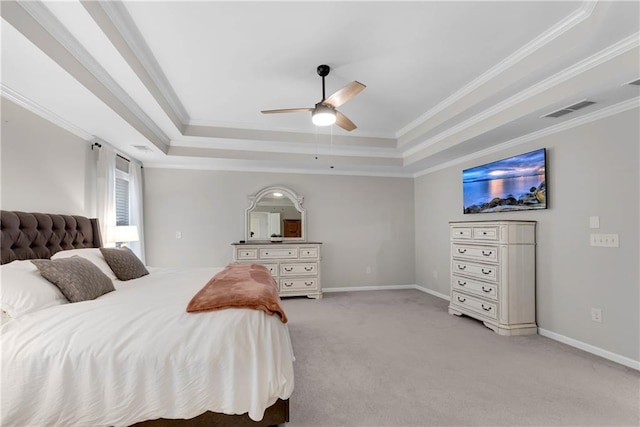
column 513, row 184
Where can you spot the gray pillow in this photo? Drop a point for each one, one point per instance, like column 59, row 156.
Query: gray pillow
column 124, row 263
column 77, row 278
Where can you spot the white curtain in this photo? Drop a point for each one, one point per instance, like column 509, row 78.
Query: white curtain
column 136, row 213
column 106, row 190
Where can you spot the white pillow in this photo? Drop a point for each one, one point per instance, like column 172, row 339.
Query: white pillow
column 23, row 290
column 92, row 254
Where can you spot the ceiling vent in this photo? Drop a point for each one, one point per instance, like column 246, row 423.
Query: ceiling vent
column 569, row 109
column 634, row 83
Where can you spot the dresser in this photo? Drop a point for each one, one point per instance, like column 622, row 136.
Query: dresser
column 493, row 274
column 294, row 266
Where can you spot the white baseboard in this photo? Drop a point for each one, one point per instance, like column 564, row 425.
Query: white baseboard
column 369, row 288
column 628, row 362
column 432, row 292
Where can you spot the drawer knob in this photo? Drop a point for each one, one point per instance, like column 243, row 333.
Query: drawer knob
column 308, row 268
column 288, row 285
column 485, row 272
column 486, row 290
column 461, row 299
column 266, row 253
column 308, row 283
column 484, row 233
column 461, row 283
column 462, row 251
column 461, row 267
column 288, row 269
column 486, row 308
column 488, row 253
column 289, row 253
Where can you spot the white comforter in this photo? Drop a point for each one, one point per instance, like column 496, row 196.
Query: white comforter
column 136, row 354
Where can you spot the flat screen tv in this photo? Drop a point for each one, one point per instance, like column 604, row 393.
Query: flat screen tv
column 516, row 183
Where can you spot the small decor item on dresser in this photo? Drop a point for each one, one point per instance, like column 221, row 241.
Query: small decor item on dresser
column 277, row 238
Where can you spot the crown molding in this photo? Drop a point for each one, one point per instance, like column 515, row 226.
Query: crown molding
column 279, row 170
column 48, row 21
column 120, row 17
column 321, row 148
column 543, row 39
column 611, row 110
column 619, row 48
column 43, row 112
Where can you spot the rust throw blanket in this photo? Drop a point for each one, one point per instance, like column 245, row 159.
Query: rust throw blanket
column 240, row 286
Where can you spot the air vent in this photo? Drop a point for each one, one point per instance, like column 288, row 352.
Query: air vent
column 634, row 83
column 558, row 113
column 569, row 109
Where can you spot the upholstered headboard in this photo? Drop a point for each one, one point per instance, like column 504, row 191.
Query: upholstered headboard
column 38, row 235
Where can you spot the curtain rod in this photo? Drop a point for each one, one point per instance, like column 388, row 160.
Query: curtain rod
column 97, row 144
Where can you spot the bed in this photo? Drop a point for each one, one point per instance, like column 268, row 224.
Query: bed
column 133, row 356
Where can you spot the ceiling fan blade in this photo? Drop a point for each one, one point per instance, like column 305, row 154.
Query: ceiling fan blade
column 343, row 95
column 287, row 110
column 344, row 122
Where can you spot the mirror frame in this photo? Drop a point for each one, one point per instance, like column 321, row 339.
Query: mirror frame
column 287, row 192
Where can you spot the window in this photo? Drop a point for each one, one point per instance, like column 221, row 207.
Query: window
column 122, row 191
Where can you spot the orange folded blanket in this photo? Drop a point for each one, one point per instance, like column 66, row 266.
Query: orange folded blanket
column 240, row 286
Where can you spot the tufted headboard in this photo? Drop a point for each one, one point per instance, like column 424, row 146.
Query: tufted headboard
column 38, row 235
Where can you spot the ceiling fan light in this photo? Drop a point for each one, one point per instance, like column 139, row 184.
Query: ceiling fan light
column 323, row 115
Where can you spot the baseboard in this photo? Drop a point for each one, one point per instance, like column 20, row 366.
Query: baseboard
column 432, row 292
column 369, row 288
column 628, row 362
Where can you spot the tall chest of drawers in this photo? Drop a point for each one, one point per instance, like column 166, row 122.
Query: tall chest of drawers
column 294, row 266
column 493, row 274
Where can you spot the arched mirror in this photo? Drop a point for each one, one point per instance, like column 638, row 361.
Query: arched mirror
column 276, row 214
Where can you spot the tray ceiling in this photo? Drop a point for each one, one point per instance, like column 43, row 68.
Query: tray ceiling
column 446, row 81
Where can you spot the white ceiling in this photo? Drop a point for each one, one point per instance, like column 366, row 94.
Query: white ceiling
column 446, row 80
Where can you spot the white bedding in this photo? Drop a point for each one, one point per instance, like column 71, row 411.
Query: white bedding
column 136, row 354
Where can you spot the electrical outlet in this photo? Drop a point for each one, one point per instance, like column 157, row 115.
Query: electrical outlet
column 367, row 270
column 178, row 235
column 596, row 315
column 605, row 240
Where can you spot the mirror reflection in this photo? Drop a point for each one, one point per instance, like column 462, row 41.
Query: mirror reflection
column 276, row 213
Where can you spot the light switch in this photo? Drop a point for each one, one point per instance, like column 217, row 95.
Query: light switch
column 594, row 222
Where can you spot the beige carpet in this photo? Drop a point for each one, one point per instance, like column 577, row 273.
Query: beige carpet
column 397, row 358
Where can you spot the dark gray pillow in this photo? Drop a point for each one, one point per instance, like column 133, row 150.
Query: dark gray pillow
column 124, row 263
column 77, row 278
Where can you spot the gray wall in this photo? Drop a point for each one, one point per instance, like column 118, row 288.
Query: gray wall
column 44, row 168
column 591, row 170
column 362, row 221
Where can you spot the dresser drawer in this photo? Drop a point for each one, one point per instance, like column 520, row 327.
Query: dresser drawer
column 461, row 233
column 299, row 269
column 487, row 272
column 484, row 253
column 486, row 290
column 251, row 253
column 287, row 253
column 308, row 252
column 476, row 305
column 295, row 284
column 485, row 233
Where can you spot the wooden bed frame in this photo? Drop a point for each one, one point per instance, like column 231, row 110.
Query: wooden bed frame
column 38, row 236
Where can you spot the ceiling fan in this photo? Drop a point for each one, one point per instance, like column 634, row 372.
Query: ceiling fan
column 324, row 113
